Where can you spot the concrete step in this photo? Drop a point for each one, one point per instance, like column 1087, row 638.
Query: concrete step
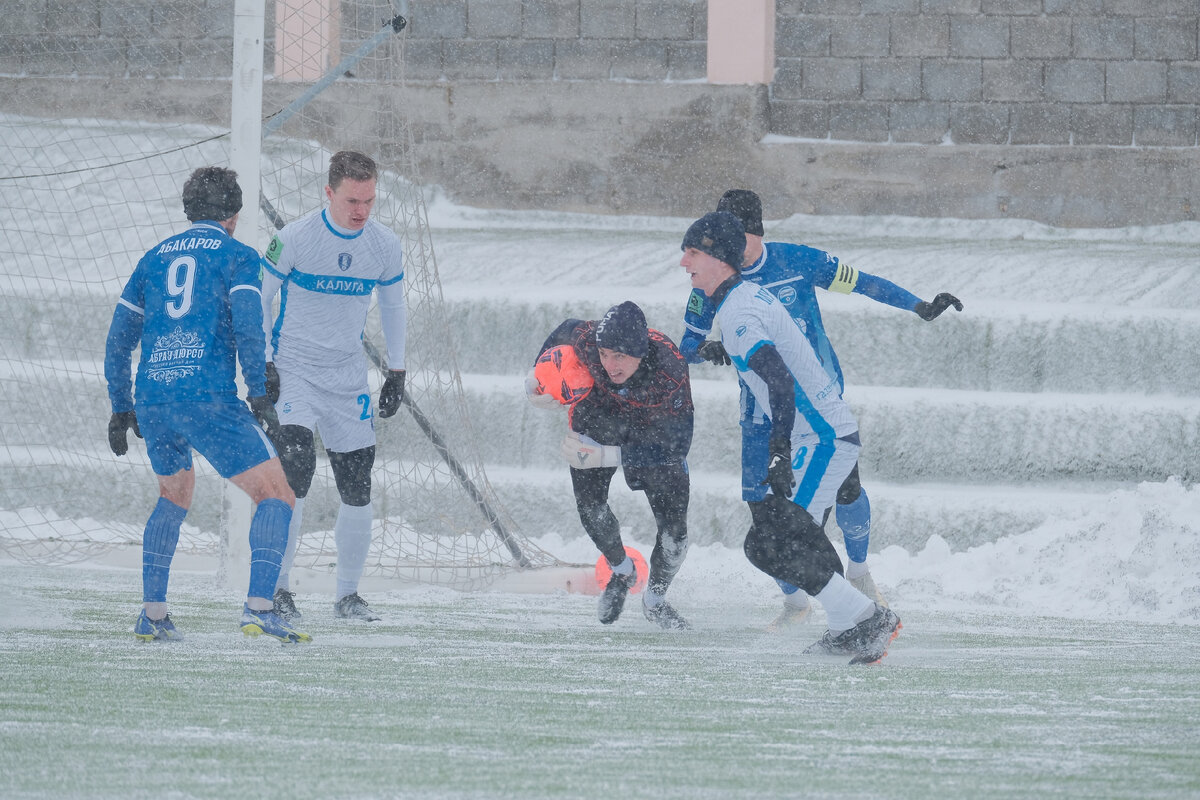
column 967, row 466
column 909, row 435
column 107, row 491
column 1051, row 348
column 540, row 501
column 1047, row 348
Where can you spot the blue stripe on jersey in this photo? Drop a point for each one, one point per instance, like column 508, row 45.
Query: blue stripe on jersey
column 822, row 455
column 283, row 298
column 824, row 350
column 743, row 364
column 804, row 405
column 813, row 417
column 396, row 279
column 329, row 227
column 331, row 284
column 269, row 267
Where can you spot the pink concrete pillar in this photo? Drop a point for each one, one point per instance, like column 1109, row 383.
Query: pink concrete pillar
column 307, row 34
column 741, row 41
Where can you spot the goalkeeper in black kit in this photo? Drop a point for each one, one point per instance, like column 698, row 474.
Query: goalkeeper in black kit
column 630, row 405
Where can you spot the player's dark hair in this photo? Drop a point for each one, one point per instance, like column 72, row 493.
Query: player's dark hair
column 212, row 193
column 353, row 165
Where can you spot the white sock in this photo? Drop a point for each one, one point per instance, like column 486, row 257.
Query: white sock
column 260, row 603
column 155, row 611
column 352, row 532
column 651, row 599
column 844, row 605
column 797, row 599
column 855, row 569
column 289, row 553
column 625, row 567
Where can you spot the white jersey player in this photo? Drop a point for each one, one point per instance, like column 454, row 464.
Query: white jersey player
column 325, row 267
column 823, row 430
column 813, row 444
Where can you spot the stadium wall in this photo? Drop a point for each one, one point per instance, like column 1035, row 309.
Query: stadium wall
column 1070, row 112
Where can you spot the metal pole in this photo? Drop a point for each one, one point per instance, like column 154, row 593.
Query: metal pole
column 244, row 157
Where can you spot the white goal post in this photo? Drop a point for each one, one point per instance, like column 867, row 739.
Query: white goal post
column 85, row 195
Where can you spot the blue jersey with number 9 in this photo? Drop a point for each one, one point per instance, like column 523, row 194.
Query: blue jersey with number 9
column 194, row 303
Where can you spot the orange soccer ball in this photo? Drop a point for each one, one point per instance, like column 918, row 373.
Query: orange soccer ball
column 604, row 571
column 562, row 375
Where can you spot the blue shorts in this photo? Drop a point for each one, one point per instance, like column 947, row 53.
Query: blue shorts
column 223, row 431
column 817, row 467
column 756, row 452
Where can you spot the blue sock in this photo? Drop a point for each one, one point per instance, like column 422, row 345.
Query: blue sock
column 268, row 540
column 158, row 548
column 786, row 587
column 855, row 521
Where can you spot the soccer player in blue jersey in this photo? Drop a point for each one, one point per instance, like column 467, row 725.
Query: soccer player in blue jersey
column 812, row 447
column 325, row 267
column 194, row 305
column 792, row 273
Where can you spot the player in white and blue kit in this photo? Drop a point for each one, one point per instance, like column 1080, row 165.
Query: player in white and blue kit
column 792, row 273
column 325, row 267
column 194, row 306
column 813, row 442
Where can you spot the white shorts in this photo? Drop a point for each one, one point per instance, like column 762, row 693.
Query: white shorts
column 819, row 470
column 333, row 401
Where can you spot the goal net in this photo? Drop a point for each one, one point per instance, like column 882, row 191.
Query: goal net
column 84, row 195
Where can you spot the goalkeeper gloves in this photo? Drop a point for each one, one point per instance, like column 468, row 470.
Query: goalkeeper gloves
column 392, row 393
column 713, row 352
column 533, row 390
column 583, row 452
column 779, row 469
column 272, row 382
column 118, row 424
column 930, row 311
column 264, row 411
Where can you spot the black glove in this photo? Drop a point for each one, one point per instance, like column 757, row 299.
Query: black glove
column 264, row 411
column 930, row 311
column 272, row 382
column 713, row 352
column 391, row 394
column 118, row 424
column 779, row 469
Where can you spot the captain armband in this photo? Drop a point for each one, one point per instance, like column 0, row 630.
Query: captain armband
column 845, row 280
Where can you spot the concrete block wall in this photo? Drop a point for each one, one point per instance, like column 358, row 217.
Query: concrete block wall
column 118, row 38
column 507, row 40
column 989, row 72
column 986, row 72
column 504, row 40
column 1068, row 112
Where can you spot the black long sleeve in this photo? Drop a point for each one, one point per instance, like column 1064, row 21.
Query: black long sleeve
column 767, row 364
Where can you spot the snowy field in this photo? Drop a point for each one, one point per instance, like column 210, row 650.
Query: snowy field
column 494, row 695
column 1058, row 657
